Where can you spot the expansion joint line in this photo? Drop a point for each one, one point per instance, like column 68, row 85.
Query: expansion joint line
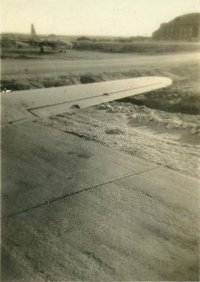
column 48, row 202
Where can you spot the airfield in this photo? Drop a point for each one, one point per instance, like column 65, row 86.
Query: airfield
column 108, row 193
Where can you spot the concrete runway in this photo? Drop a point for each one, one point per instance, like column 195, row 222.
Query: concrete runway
column 23, row 68
column 75, row 210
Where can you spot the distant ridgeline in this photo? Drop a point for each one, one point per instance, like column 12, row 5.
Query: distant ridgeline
column 186, row 27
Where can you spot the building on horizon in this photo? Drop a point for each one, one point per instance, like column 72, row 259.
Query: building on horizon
column 186, row 27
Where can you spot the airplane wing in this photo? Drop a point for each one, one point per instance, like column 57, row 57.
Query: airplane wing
column 26, row 105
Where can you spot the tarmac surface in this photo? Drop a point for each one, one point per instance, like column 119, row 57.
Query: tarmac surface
column 23, row 68
column 76, row 210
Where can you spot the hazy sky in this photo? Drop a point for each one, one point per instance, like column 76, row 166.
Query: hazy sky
column 92, row 17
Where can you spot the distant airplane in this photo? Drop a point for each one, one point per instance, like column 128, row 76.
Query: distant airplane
column 26, row 105
column 45, row 41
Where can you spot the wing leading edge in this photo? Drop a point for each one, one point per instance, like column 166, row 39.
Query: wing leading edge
column 39, row 103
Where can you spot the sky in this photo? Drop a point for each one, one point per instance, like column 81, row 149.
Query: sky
column 92, row 17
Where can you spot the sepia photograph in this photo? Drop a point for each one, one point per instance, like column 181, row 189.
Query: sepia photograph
column 100, row 140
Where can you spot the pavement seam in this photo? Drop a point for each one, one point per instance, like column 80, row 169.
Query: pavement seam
column 75, row 193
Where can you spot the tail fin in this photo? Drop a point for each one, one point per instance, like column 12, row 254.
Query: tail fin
column 33, row 32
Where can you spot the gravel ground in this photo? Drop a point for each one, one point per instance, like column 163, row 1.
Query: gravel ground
column 169, row 139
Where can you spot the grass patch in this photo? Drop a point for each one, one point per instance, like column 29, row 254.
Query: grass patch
column 147, row 47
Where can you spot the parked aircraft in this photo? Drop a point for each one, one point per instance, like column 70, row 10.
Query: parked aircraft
column 53, row 43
